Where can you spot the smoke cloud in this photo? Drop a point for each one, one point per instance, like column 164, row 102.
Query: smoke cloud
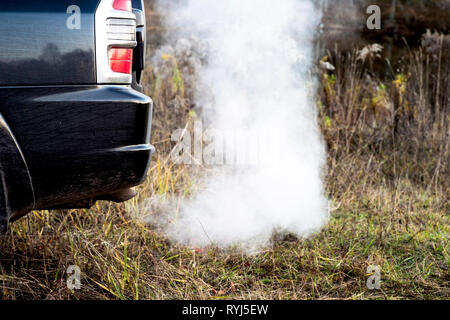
column 255, row 83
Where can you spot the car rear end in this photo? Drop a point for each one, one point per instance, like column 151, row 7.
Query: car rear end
column 71, row 104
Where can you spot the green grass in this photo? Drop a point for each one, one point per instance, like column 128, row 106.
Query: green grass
column 122, row 258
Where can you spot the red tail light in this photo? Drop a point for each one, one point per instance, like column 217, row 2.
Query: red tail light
column 121, row 60
column 123, row 5
column 115, row 30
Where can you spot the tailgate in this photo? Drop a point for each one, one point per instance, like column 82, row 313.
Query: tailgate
column 47, row 42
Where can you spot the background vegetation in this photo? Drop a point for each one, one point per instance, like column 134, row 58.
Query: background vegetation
column 384, row 114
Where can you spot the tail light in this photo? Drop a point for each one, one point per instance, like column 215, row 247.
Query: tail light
column 115, row 35
column 124, row 5
column 121, row 60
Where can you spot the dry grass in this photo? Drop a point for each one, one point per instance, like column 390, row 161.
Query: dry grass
column 388, row 178
column 403, row 230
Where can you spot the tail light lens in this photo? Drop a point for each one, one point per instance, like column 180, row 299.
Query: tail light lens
column 115, row 33
column 124, row 5
column 121, row 60
column 121, row 29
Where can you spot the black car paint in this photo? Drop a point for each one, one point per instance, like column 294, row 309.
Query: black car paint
column 16, row 191
column 37, row 48
column 64, row 140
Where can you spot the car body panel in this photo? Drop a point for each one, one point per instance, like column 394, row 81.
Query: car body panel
column 38, row 48
column 80, row 141
column 16, row 189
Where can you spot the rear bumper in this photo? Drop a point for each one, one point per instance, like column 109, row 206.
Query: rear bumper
column 79, row 142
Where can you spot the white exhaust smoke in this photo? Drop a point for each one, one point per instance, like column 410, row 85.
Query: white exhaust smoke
column 256, row 83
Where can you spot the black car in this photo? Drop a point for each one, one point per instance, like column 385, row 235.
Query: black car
column 74, row 125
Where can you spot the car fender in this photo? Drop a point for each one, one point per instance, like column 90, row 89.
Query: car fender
column 16, row 187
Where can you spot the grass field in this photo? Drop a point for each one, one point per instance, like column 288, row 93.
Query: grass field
column 402, row 229
column 387, row 179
